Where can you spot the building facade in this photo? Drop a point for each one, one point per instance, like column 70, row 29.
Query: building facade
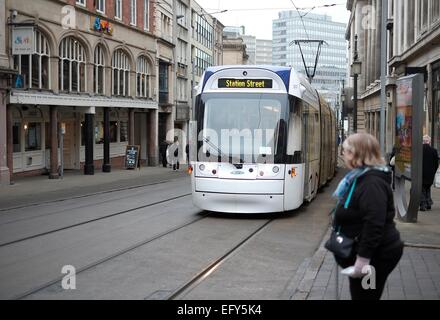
column 332, row 64
column 264, row 52
column 413, row 46
column 88, row 78
column 234, row 51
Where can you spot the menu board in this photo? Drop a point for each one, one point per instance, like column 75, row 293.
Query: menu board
column 132, row 157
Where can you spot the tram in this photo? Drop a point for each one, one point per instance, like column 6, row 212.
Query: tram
column 262, row 140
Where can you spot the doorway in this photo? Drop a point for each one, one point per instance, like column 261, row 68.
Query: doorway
column 69, row 150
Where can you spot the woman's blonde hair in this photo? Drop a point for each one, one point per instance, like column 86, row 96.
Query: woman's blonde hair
column 365, row 149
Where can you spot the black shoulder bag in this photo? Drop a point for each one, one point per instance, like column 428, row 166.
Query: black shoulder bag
column 339, row 244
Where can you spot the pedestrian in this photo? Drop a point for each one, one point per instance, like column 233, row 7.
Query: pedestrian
column 365, row 212
column 187, row 153
column 430, row 166
column 173, row 154
column 392, row 164
column 163, row 152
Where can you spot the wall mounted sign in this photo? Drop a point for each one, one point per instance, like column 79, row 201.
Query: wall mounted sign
column 101, row 25
column 22, row 40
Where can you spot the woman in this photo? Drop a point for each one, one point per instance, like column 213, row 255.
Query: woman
column 368, row 216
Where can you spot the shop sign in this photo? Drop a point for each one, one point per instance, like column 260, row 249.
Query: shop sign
column 22, row 40
column 102, row 26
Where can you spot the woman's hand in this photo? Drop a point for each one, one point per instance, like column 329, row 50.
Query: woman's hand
column 360, row 267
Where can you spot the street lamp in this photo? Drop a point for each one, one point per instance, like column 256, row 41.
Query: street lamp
column 355, row 71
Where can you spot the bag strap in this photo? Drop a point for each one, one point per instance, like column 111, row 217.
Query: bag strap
column 347, row 202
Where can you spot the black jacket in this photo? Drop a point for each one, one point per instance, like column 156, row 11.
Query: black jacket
column 430, row 164
column 370, row 216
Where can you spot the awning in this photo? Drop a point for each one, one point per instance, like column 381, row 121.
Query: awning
column 52, row 99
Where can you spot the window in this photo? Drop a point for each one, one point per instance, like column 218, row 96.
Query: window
column 165, row 25
column 47, row 134
column 32, row 136
column 120, row 74
column 81, row 2
column 35, row 68
column 100, row 6
column 98, row 70
column 181, row 89
column 423, row 15
column 118, row 9
column 163, row 83
column 124, row 131
column 133, row 10
column 182, row 11
column 146, row 15
column 16, row 136
column 72, row 66
column 142, row 78
column 435, row 11
column 99, row 132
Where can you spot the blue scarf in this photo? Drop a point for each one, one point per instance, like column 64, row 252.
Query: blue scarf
column 346, row 182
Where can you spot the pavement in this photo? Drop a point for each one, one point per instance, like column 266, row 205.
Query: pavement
column 416, row 277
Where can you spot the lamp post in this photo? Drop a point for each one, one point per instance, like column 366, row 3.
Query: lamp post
column 342, row 115
column 356, row 70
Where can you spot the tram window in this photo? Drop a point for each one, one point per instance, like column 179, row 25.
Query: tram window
column 33, row 136
column 16, row 136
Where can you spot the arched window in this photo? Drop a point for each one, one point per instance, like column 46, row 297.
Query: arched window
column 142, row 78
column 98, row 70
column 72, row 66
column 34, row 68
column 120, row 74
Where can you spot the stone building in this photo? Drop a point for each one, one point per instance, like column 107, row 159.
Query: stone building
column 91, row 72
column 413, row 46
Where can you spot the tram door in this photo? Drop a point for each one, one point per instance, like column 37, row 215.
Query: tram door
column 69, row 145
column 293, row 182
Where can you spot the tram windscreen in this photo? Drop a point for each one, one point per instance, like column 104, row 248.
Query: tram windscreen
column 242, row 128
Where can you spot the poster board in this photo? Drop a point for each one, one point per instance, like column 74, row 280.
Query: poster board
column 132, row 153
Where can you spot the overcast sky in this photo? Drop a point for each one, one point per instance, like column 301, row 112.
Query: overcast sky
column 257, row 15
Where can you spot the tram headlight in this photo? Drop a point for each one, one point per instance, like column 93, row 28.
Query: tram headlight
column 202, row 167
column 276, row 169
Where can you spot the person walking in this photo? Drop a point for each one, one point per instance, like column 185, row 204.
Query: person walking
column 163, row 152
column 365, row 212
column 173, row 154
column 430, row 166
column 392, row 164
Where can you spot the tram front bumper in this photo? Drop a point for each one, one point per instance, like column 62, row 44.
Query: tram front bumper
column 238, row 203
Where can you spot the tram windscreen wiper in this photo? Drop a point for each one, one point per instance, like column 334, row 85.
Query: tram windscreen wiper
column 219, row 151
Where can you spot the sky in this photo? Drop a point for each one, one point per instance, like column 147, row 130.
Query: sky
column 257, row 15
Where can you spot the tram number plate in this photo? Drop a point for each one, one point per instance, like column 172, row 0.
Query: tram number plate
column 245, row 83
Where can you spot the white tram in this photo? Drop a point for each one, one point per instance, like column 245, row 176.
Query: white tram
column 262, row 140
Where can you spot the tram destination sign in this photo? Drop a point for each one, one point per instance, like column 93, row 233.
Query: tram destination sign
column 245, row 83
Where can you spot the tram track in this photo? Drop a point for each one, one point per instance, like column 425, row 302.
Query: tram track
column 110, row 257
column 92, row 220
column 77, row 207
column 27, row 205
column 205, row 272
